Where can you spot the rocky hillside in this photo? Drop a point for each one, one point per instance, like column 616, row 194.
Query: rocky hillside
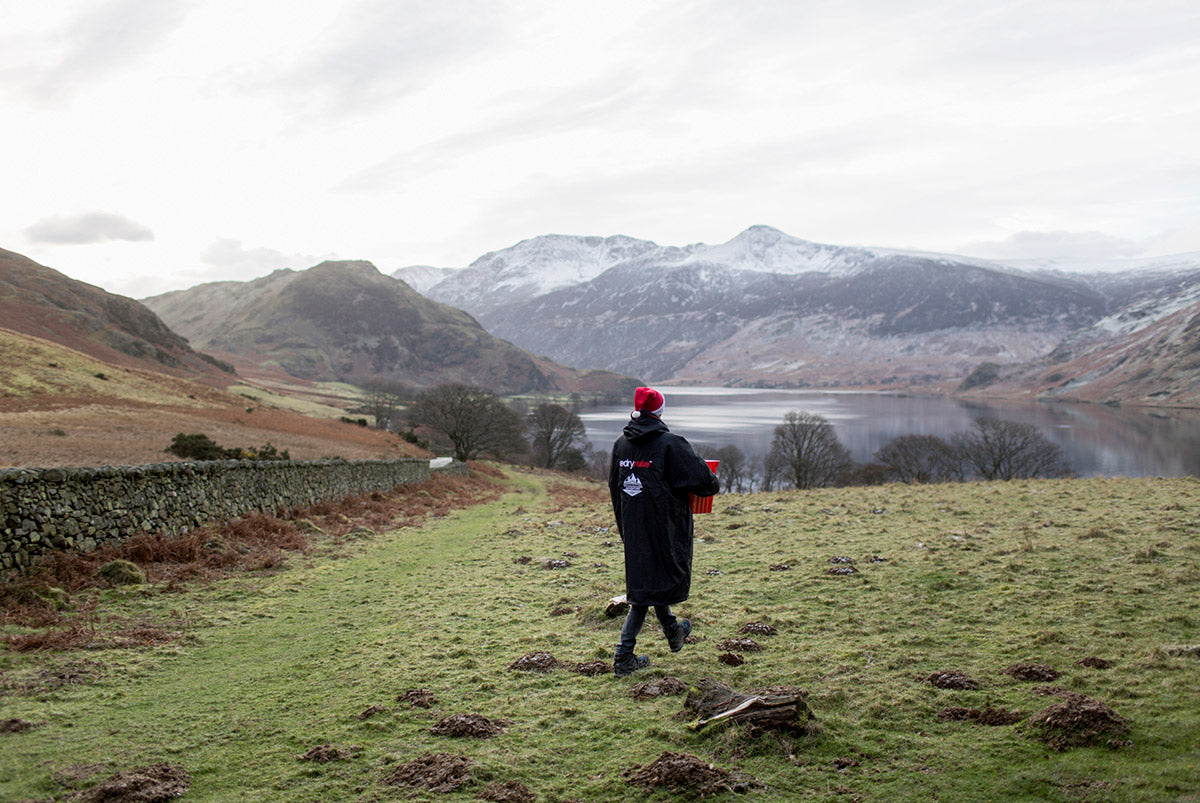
column 40, row 301
column 768, row 309
column 347, row 321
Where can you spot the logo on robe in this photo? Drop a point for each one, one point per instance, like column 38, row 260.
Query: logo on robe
column 633, row 485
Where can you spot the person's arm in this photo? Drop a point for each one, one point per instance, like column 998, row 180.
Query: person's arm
column 689, row 472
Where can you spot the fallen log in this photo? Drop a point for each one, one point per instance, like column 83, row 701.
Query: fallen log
column 780, row 708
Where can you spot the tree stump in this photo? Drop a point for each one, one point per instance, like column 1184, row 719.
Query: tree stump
column 777, row 708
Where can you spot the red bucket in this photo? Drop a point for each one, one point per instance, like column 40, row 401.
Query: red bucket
column 703, row 504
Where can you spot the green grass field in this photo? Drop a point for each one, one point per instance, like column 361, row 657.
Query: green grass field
column 973, row 577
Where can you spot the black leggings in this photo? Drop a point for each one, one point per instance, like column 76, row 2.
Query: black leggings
column 634, row 621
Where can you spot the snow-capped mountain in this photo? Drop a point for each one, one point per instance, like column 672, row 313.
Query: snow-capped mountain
column 766, row 308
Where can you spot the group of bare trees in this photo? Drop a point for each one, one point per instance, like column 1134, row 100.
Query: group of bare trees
column 806, row 453
column 805, row 450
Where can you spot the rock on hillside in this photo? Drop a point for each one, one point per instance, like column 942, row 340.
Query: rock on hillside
column 347, row 321
column 40, row 301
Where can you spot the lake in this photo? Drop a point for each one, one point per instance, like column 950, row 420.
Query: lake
column 1097, row 440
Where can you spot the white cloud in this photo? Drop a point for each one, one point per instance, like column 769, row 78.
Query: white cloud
column 86, row 229
column 229, row 256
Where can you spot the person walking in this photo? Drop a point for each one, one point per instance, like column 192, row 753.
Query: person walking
column 652, row 472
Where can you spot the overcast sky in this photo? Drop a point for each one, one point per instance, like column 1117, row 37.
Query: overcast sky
column 155, row 144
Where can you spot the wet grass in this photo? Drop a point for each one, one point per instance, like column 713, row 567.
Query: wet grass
column 975, row 578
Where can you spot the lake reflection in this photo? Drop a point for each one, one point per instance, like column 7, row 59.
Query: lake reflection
column 1097, row 440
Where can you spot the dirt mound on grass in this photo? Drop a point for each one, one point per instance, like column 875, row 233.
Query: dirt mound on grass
column 418, row 698
column 731, row 659
column 437, row 772
column 371, row 711
column 1092, row 662
column 1079, row 720
column 507, row 792
column 324, row 753
column 681, row 773
column 986, row 716
column 535, row 662
column 156, row 783
column 659, row 687
column 740, row 645
column 593, row 668
column 471, row 726
column 951, row 679
column 1032, row 672
column 15, row 726
column 759, row 629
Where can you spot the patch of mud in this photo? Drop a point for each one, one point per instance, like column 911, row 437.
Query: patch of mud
column 684, row 774
column 370, row 712
column 951, row 679
column 1040, row 672
column 1092, row 662
column 156, row 783
column 436, row 772
column 843, row 763
column 15, row 726
column 418, row 698
column 535, row 662
column 507, row 792
column 561, row 610
column 325, row 753
column 523, row 559
column 556, row 563
column 779, row 567
column 740, row 645
column 759, row 629
column 469, row 726
column 985, row 716
column 1079, row 720
column 844, row 560
column 593, row 668
column 841, row 570
column 731, row 659
column 659, row 687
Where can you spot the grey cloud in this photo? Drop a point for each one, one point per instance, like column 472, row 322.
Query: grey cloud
column 91, row 227
column 385, row 49
column 229, row 254
column 105, row 38
column 1055, row 245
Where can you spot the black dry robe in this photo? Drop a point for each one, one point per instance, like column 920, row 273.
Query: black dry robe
column 652, row 473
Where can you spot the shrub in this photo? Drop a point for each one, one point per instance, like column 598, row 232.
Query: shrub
column 122, row 573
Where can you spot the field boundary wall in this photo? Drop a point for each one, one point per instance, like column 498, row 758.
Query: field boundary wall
column 46, row 509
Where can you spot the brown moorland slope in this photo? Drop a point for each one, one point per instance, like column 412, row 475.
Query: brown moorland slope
column 42, row 302
column 61, row 407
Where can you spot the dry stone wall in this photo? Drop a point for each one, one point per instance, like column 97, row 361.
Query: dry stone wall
column 44, row 509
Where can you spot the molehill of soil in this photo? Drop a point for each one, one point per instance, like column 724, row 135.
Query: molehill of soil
column 951, row 679
column 156, row 783
column 535, row 662
column 324, row 753
column 1092, row 662
column 593, row 668
column 759, row 629
column 740, row 645
column 1032, row 672
column 659, row 687
column 418, row 698
column 731, row 659
column 1079, row 720
column 682, row 773
column 15, row 726
column 437, row 772
column 507, row 792
column 471, row 726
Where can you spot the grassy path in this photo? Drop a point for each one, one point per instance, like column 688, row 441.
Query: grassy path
column 973, row 577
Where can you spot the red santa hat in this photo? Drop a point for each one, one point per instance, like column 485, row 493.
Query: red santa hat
column 648, row 400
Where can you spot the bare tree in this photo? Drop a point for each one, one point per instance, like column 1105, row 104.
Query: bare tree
column 558, row 437
column 919, row 459
column 808, row 446
column 471, row 420
column 382, row 399
column 733, row 471
column 1008, row 450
